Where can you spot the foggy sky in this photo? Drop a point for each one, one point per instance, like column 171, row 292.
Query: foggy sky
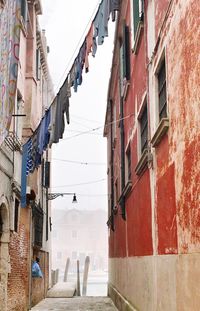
column 65, row 22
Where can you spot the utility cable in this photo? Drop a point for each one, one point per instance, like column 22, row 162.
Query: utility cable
column 98, row 128
column 77, row 46
column 77, row 162
column 78, row 117
column 85, row 183
column 75, row 131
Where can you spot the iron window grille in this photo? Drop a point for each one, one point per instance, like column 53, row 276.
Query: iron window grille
column 38, row 217
column 13, row 142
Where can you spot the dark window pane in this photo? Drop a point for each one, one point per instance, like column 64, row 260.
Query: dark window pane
column 129, row 163
column 144, row 129
column 161, row 76
column 16, row 214
column 38, row 224
column 136, row 16
column 24, row 10
column 162, row 92
column 125, row 56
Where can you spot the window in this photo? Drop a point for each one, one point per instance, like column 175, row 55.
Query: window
column 16, row 215
column 24, row 10
column 137, row 16
column 38, row 216
column 143, row 152
column 128, row 164
column 144, row 129
column 124, row 59
column 162, row 95
column 74, row 234
column 114, row 125
column 38, row 64
column 116, row 192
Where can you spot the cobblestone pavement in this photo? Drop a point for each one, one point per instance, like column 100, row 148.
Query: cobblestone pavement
column 76, row 304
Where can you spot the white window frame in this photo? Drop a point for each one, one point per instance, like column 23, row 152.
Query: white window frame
column 140, row 112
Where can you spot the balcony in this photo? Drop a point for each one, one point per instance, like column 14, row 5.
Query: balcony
column 13, row 142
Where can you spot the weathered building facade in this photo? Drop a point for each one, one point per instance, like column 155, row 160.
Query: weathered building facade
column 24, row 232
column 153, row 133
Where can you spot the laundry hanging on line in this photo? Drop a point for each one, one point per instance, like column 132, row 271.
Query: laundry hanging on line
column 52, row 126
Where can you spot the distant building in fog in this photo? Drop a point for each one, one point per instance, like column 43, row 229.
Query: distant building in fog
column 76, row 234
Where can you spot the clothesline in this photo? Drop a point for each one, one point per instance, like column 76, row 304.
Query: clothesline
column 51, row 128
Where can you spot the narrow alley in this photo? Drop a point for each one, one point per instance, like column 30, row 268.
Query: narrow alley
column 100, row 155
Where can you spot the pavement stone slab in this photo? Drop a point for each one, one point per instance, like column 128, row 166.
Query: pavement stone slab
column 76, row 304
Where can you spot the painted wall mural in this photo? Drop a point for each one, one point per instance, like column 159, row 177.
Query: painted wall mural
column 10, row 25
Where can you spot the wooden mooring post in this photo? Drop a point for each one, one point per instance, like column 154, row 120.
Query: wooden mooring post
column 66, row 270
column 85, row 275
column 78, row 292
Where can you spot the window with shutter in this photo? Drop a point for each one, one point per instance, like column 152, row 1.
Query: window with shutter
column 144, row 129
column 137, row 17
column 38, row 64
column 24, row 10
column 38, row 216
column 128, row 164
column 143, row 150
column 162, row 120
column 124, row 59
column 162, row 95
column 47, row 175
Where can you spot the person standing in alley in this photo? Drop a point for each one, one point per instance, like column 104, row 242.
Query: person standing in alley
column 36, row 271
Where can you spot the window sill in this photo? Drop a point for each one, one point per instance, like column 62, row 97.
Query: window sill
column 137, row 37
column 160, row 132
column 127, row 189
column 142, row 164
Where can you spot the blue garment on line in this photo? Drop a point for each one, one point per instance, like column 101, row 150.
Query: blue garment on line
column 43, row 132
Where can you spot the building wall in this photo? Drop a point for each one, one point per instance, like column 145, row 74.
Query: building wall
column 16, row 252
column 154, row 253
column 19, row 277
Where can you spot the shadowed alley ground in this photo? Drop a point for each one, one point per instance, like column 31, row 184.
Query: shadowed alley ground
column 76, row 304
